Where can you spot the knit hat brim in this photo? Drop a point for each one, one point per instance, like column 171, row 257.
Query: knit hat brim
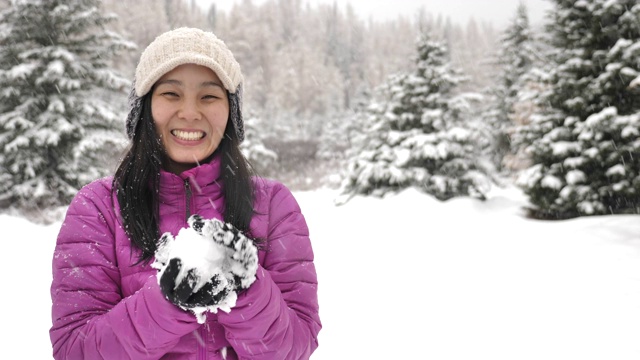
column 185, row 58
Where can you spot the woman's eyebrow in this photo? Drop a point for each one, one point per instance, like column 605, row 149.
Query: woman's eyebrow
column 169, row 81
column 211, row 83
column 179, row 83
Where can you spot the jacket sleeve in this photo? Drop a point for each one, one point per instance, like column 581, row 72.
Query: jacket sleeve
column 277, row 317
column 91, row 319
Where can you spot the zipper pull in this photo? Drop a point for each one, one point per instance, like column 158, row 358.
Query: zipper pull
column 187, row 189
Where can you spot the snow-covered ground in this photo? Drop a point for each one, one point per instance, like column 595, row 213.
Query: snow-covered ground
column 409, row 277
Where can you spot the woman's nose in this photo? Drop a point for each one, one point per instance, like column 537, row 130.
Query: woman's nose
column 189, row 110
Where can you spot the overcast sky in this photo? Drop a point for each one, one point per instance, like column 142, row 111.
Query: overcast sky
column 498, row 12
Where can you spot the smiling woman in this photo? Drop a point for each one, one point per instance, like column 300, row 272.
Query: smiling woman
column 145, row 259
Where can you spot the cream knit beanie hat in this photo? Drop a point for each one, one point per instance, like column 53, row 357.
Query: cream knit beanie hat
column 187, row 46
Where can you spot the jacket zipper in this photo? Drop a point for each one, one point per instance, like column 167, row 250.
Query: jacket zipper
column 202, row 345
column 202, row 349
column 187, row 189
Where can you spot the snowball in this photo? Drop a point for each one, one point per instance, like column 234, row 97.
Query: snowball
column 207, row 257
column 198, row 252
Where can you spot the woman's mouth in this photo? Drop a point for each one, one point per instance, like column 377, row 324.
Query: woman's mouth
column 188, row 135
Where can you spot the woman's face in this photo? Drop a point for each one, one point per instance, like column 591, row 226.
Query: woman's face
column 190, row 109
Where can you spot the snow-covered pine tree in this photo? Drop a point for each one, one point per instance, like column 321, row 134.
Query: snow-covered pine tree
column 584, row 142
column 417, row 137
column 56, row 94
column 517, row 54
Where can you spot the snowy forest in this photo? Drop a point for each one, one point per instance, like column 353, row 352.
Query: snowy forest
column 334, row 100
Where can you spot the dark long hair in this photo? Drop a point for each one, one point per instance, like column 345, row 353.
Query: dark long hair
column 137, row 182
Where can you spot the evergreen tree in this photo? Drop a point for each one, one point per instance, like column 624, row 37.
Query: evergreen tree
column 584, row 141
column 57, row 124
column 416, row 137
column 517, row 54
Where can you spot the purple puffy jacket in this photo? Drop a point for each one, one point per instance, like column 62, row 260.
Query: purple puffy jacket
column 105, row 307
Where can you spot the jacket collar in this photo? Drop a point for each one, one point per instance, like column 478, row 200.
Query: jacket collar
column 203, row 179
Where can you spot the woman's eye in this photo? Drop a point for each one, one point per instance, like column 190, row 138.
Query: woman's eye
column 208, row 97
column 169, row 93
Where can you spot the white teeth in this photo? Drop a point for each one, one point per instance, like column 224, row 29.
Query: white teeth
column 188, row 135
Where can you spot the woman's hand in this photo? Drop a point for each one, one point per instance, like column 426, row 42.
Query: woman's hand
column 204, row 266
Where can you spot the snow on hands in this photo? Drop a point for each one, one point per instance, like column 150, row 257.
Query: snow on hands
column 204, row 265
